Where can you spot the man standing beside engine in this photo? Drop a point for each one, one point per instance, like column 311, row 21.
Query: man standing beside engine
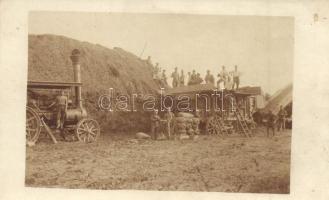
column 61, row 109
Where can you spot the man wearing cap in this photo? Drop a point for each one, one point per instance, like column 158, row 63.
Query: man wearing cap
column 182, row 78
column 193, row 78
column 164, row 77
column 169, row 117
column 61, row 103
column 155, row 71
column 271, row 120
column 188, row 78
column 209, row 78
column 222, row 77
column 155, row 124
column 282, row 118
column 175, row 78
column 236, row 77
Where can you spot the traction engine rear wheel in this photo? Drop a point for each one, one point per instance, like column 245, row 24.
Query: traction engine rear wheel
column 33, row 126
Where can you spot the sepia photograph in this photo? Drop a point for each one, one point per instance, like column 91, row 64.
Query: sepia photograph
column 159, row 102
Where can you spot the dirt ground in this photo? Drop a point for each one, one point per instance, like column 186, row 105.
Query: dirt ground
column 210, row 163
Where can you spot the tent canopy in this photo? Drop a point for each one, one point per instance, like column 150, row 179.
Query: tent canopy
column 281, row 98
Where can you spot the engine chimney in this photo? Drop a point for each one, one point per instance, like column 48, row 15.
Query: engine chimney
column 75, row 55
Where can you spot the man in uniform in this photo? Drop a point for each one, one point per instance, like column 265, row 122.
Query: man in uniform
column 182, row 78
column 175, row 78
column 164, row 77
column 193, row 78
column 198, row 79
column 155, row 71
column 155, row 124
column 282, row 119
column 169, row 117
column 222, row 77
column 236, row 77
column 271, row 119
column 209, row 78
column 229, row 82
column 188, row 78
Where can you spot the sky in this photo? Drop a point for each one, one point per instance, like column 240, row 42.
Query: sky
column 262, row 47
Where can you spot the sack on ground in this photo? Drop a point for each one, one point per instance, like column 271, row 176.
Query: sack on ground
column 141, row 135
column 185, row 114
column 180, row 119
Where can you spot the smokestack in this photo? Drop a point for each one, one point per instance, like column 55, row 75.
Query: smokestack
column 75, row 55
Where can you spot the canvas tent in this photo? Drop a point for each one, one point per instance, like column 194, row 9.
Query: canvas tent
column 282, row 97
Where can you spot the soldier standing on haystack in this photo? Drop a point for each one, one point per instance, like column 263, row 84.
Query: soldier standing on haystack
column 155, row 124
column 209, row 78
column 236, row 77
column 156, row 71
column 182, row 78
column 222, row 77
column 193, row 78
column 164, row 78
column 198, row 79
column 175, row 78
column 188, row 78
column 169, row 117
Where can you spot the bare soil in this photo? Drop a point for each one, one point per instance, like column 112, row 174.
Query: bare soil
column 210, row 163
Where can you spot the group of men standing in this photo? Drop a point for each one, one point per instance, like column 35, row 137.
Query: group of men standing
column 226, row 80
column 178, row 79
column 229, row 80
column 159, row 74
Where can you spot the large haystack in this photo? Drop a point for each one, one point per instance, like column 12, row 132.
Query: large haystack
column 49, row 60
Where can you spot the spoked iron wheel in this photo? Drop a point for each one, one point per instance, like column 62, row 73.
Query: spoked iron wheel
column 33, row 126
column 211, row 126
column 87, row 130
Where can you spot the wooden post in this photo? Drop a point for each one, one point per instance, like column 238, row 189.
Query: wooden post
column 49, row 131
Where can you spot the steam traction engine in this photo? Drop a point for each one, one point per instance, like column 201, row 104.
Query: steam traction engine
column 39, row 114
